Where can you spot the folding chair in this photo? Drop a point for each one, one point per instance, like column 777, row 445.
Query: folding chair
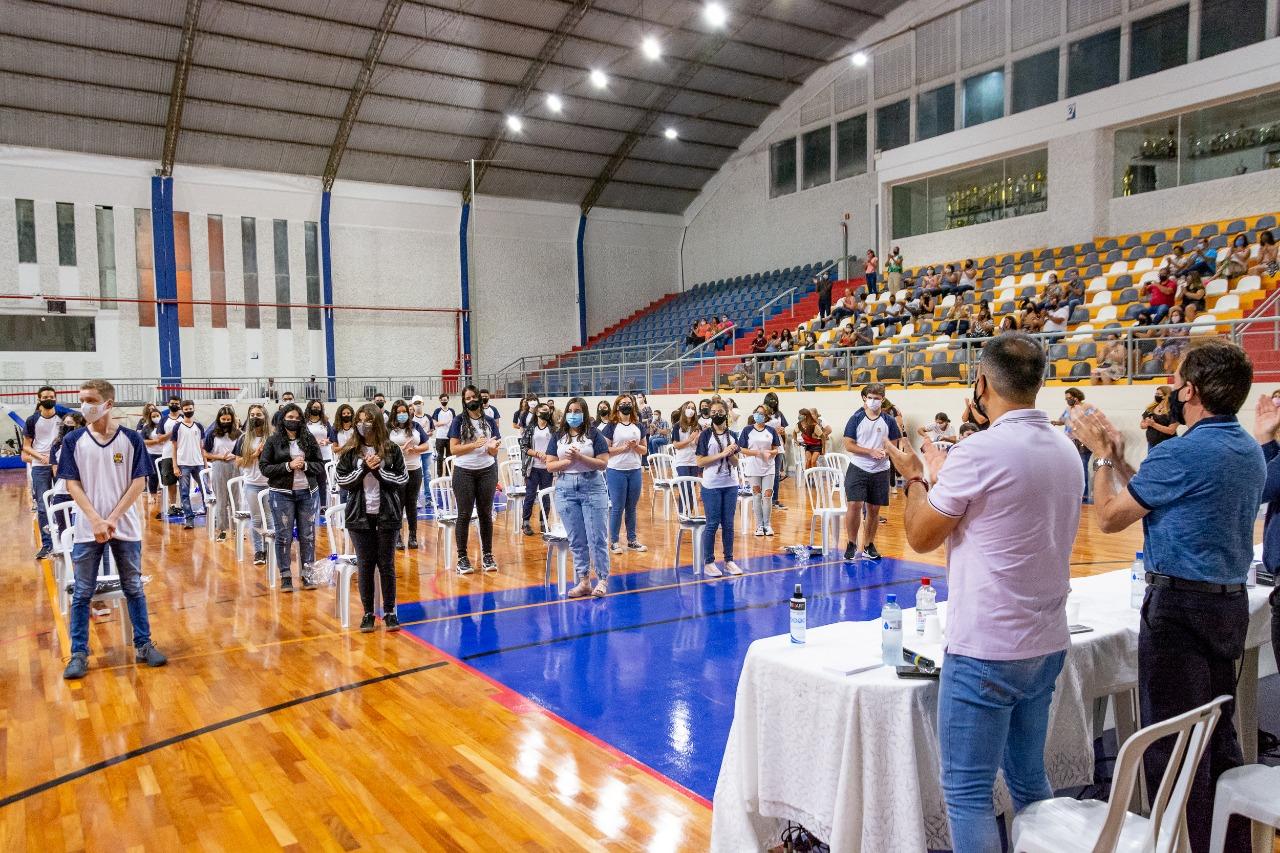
column 691, row 517
column 822, row 488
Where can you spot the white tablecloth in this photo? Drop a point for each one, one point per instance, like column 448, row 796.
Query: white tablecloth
column 854, row 758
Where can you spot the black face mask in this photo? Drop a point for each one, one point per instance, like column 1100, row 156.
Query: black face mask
column 188, row 414
column 625, row 409
column 379, row 403
column 173, row 407
column 977, row 404
column 473, row 405
column 291, row 424
column 255, row 422
column 719, row 420
column 48, row 405
column 484, row 401
column 602, row 413
column 225, row 424
column 315, row 413
column 544, row 416
column 346, row 419
column 1176, row 413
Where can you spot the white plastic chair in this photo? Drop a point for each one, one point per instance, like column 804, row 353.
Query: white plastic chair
column 1143, row 264
column 556, row 538
column 268, row 532
column 1095, row 284
column 1148, row 277
column 1007, row 283
column 446, row 517
column 1117, row 268
column 1027, row 278
column 511, row 475
column 335, row 520
column 65, row 572
column 331, row 478
column 1230, row 302
column 210, row 499
column 1064, row 824
column 662, row 468
column 1106, row 313
column 1205, row 324
column 241, row 519
column 1246, row 284
column 822, row 488
column 836, row 460
column 692, row 518
column 742, row 511
column 1102, row 297
column 1216, row 287
column 1252, row 791
column 447, row 466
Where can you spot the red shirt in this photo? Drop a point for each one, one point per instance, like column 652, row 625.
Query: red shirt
column 1162, row 292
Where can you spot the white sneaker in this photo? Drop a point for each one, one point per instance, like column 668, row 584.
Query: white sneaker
column 768, row 531
column 615, row 548
column 637, row 547
column 759, row 531
column 732, row 568
column 711, row 570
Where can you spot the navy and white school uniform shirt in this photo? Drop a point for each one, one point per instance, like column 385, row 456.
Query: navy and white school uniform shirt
column 167, row 427
column 443, row 419
column 59, row 484
column 322, row 433
column 590, row 445
column 188, row 444
column 540, row 441
column 343, row 436
column 253, row 475
column 491, row 412
column 685, row 456
column 618, row 435
column 722, row 473
column 105, row 472
column 870, row 432
column 756, row 440
column 42, row 432
column 778, row 422
column 478, row 459
column 218, row 444
column 425, row 423
column 411, row 436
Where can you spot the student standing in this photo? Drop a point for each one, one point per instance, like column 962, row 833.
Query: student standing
column 104, row 466
column 188, row 458
column 489, row 411
column 717, row 453
column 407, row 435
column 219, row 453
column 536, row 441
column 291, row 463
column 577, row 456
column 604, row 414
column 247, row 450
column 778, row 422
column 372, row 471
column 474, row 442
column 154, row 439
column 423, row 419
column 442, row 417
column 760, row 443
column 628, row 445
column 866, row 480
column 38, row 434
column 322, row 431
column 344, row 426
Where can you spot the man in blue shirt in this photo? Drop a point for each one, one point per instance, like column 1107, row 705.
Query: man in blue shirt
column 1197, row 497
column 1265, row 423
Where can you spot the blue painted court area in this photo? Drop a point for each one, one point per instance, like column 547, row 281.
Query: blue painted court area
column 653, row 668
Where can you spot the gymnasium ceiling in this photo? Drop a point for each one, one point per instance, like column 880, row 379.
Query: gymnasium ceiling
column 418, row 88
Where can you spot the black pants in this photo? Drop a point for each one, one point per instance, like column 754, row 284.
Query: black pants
column 442, row 450
column 376, row 551
column 474, row 492
column 322, row 490
column 1189, row 650
column 824, row 303
column 538, row 479
column 412, row 489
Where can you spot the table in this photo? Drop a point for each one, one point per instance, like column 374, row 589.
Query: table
column 855, row 758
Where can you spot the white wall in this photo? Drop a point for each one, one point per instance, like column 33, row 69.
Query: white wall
column 631, row 260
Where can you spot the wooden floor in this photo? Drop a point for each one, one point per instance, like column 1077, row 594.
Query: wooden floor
column 273, row 727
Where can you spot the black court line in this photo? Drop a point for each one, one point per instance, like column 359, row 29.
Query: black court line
column 204, row 730
column 759, row 605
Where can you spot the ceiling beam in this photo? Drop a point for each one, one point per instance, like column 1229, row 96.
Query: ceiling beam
column 178, row 88
column 363, row 79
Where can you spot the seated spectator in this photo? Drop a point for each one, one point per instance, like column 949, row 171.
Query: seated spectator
column 931, row 282
column 1173, row 341
column 983, row 325
column 939, row 432
column 1266, row 261
column 1111, row 361
column 1190, row 312
column 967, row 429
column 950, row 280
column 1201, row 259
column 1160, row 294
column 1056, row 316
column 968, row 277
column 773, row 346
column 786, row 342
column 891, row 317
column 1008, row 323
column 759, row 342
column 695, row 334
column 847, row 338
column 924, row 305
column 659, row 431
column 957, row 322
column 1026, row 310
column 847, row 305
column 805, row 341
column 1173, row 261
column 1052, row 289
column 863, row 335
column 1034, row 319
column 1156, row 419
column 1235, row 261
column 725, row 326
column 1145, row 329
column 1073, row 290
column 1192, row 290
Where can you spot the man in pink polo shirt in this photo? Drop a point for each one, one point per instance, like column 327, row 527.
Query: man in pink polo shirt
column 1005, row 503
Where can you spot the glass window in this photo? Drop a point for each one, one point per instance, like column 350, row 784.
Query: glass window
column 816, row 147
column 47, row 333
column 105, row 220
column 66, row 234
column 1035, row 81
column 1158, row 42
column 26, row 212
column 1229, row 24
column 851, row 147
column 249, row 256
column 893, row 126
column 1146, row 157
column 280, row 244
column 1000, row 189
column 782, row 168
column 984, row 97
column 1093, row 63
column 311, row 239
column 936, row 112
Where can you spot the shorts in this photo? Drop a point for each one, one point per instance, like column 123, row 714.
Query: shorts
column 167, row 477
column 866, row 486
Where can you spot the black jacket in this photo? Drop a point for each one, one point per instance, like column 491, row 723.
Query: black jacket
column 275, row 458
column 392, row 477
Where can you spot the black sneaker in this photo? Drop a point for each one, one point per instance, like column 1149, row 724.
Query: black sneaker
column 527, row 530
column 413, row 542
column 488, row 564
column 286, row 584
column 188, row 524
column 399, row 543
column 222, row 536
column 391, row 622
column 175, row 510
column 870, row 551
column 367, row 624
column 150, row 655
column 259, row 558
column 43, row 553
column 850, row 552
column 77, row 667
column 464, row 566
column 308, row 582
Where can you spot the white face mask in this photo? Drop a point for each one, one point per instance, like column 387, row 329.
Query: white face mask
column 690, row 412
column 874, row 404
column 93, row 411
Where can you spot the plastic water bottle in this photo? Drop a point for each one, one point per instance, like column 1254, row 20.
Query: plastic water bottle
column 1137, row 582
column 1251, row 580
column 799, row 616
column 891, row 634
column 926, row 604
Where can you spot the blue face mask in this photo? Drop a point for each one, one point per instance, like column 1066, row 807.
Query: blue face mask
column 758, row 418
column 402, row 418
column 573, row 419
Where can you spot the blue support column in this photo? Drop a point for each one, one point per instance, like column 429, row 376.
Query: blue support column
column 166, row 272
column 326, row 283
column 466, row 290
column 582, row 282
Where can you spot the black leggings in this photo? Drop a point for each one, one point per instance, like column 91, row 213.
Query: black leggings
column 376, row 550
column 474, row 491
column 412, row 489
column 442, row 450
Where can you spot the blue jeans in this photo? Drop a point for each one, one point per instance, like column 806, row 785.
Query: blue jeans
column 538, row 479
column 184, row 489
column 993, row 714
column 290, row 509
column 1158, row 312
column 721, row 506
column 41, row 482
column 624, row 492
column 86, row 557
column 255, row 516
column 656, row 441
column 582, row 503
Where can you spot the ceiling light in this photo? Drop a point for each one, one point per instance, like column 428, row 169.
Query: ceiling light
column 651, row 48
column 514, row 124
column 859, row 59
column 598, row 78
column 670, row 133
column 715, row 15
column 554, row 103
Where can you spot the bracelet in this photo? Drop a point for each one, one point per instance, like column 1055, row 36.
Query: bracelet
column 1103, row 463
column 906, row 487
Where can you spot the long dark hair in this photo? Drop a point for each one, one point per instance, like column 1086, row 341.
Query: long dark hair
column 248, row 452
column 588, row 428
column 408, row 410
column 345, row 407
column 467, row 432
column 305, row 439
column 378, row 438
column 232, row 431
column 324, row 418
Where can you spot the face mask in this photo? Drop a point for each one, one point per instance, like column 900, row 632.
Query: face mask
column 173, row 407
column 1176, row 413
column 544, row 416
column 255, row 422
column 602, row 413
column 315, row 413
column 719, row 419
column 287, row 401
column 363, row 428
column 484, row 401
column 758, row 418
column 704, row 412
column 155, row 419
column 874, row 405
column 625, row 409
column 533, row 402
column 345, row 419
column 379, row 403
column 573, row 419
column 473, row 405
column 977, row 404
column 444, row 404
column 291, row 424
column 66, row 428
column 402, row 418
column 224, row 423
column 48, row 405
column 188, row 415
column 690, row 412
column 1159, row 398
column 93, row 411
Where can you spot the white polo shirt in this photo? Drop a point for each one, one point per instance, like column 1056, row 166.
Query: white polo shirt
column 478, row 459
column 42, row 432
column 105, row 472
column 188, row 441
column 618, row 435
column 867, row 431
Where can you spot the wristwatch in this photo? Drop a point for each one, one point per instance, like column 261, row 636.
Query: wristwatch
column 1103, row 463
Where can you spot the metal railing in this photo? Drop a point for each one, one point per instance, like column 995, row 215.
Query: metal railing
column 790, row 293
column 20, row 393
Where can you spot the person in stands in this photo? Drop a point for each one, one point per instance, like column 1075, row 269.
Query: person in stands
column 577, row 456
column 1235, row 260
column 219, row 453
column 535, row 441
column 1192, row 292
column 871, row 269
column 474, row 441
column 38, row 434
column 1197, row 497
column 893, row 269
column 405, row 433
column 1266, row 263
column 290, row 460
column 717, row 453
column 247, row 450
column 1156, row 420
column 1160, row 294
column 866, row 481
column 823, row 284
column 188, row 458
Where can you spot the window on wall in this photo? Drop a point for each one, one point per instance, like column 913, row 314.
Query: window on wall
column 280, row 243
column 66, row 234
column 249, row 258
column 851, row 147
column 1158, row 42
column 782, row 168
column 1229, row 24
column 1093, row 63
column 936, row 112
column 25, row 209
column 816, row 148
column 988, row 192
column 893, row 125
column 47, row 333
column 984, row 97
column 311, row 241
column 105, row 222
column 1035, row 81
